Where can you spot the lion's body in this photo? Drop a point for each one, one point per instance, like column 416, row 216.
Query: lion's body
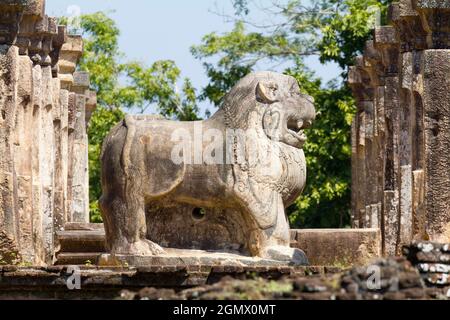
column 140, row 172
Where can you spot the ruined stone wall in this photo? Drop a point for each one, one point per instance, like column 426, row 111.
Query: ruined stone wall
column 401, row 132
column 44, row 109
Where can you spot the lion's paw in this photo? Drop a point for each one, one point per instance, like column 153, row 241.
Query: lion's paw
column 287, row 254
column 145, row 248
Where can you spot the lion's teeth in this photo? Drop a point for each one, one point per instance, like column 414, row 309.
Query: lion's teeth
column 300, row 124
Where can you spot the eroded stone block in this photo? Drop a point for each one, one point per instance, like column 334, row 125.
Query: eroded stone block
column 335, row 247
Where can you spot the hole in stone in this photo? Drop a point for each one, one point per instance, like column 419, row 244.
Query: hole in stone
column 198, row 214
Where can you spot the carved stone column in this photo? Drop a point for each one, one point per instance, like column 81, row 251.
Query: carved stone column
column 10, row 15
column 414, row 51
column 80, row 175
column 37, row 62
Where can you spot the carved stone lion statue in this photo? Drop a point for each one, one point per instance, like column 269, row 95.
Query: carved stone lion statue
column 221, row 184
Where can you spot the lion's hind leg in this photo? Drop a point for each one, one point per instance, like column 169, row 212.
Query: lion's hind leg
column 122, row 203
column 126, row 228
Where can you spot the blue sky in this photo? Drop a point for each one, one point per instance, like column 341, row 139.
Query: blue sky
column 166, row 29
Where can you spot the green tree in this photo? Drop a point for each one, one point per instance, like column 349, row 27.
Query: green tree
column 333, row 30
column 140, row 87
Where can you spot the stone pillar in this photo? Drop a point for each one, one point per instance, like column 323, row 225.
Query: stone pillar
column 69, row 55
column 60, row 135
column 79, row 169
column 411, row 129
column 357, row 78
column 10, row 16
column 23, row 156
column 404, row 19
column 435, row 98
column 8, row 188
column 37, row 63
column 436, row 102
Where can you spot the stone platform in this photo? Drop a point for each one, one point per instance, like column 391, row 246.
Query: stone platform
column 109, row 282
column 338, row 247
column 190, row 257
column 401, row 278
column 82, row 244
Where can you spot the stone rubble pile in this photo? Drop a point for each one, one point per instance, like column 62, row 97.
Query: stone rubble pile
column 398, row 279
column 433, row 262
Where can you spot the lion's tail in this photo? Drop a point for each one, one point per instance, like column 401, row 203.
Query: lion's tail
column 132, row 169
column 130, row 123
column 132, row 176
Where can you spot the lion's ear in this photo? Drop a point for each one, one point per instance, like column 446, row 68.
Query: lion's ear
column 267, row 92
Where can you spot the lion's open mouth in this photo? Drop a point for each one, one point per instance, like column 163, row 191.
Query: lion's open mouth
column 295, row 128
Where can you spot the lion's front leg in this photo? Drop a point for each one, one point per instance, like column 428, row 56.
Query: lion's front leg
column 274, row 243
column 143, row 247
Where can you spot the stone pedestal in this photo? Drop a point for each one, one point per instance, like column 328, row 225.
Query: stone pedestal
column 181, row 257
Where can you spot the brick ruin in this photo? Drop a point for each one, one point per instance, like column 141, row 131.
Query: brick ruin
column 401, row 133
column 45, row 109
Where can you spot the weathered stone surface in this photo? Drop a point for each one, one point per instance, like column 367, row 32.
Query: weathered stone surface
column 180, row 257
column 23, row 157
column 407, row 66
column 435, row 16
column 434, row 267
column 436, row 103
column 107, row 282
column 425, row 246
column 79, row 209
column 34, row 8
column 334, row 247
column 432, row 260
column 34, row 129
column 10, row 12
column 419, row 216
column 432, row 257
column 406, row 214
column 70, row 53
column 391, row 223
column 8, row 85
column 76, row 226
column 398, row 279
column 81, row 242
column 74, row 259
column 9, row 252
column 233, row 201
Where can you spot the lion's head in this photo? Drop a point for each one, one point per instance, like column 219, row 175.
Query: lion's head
column 285, row 111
